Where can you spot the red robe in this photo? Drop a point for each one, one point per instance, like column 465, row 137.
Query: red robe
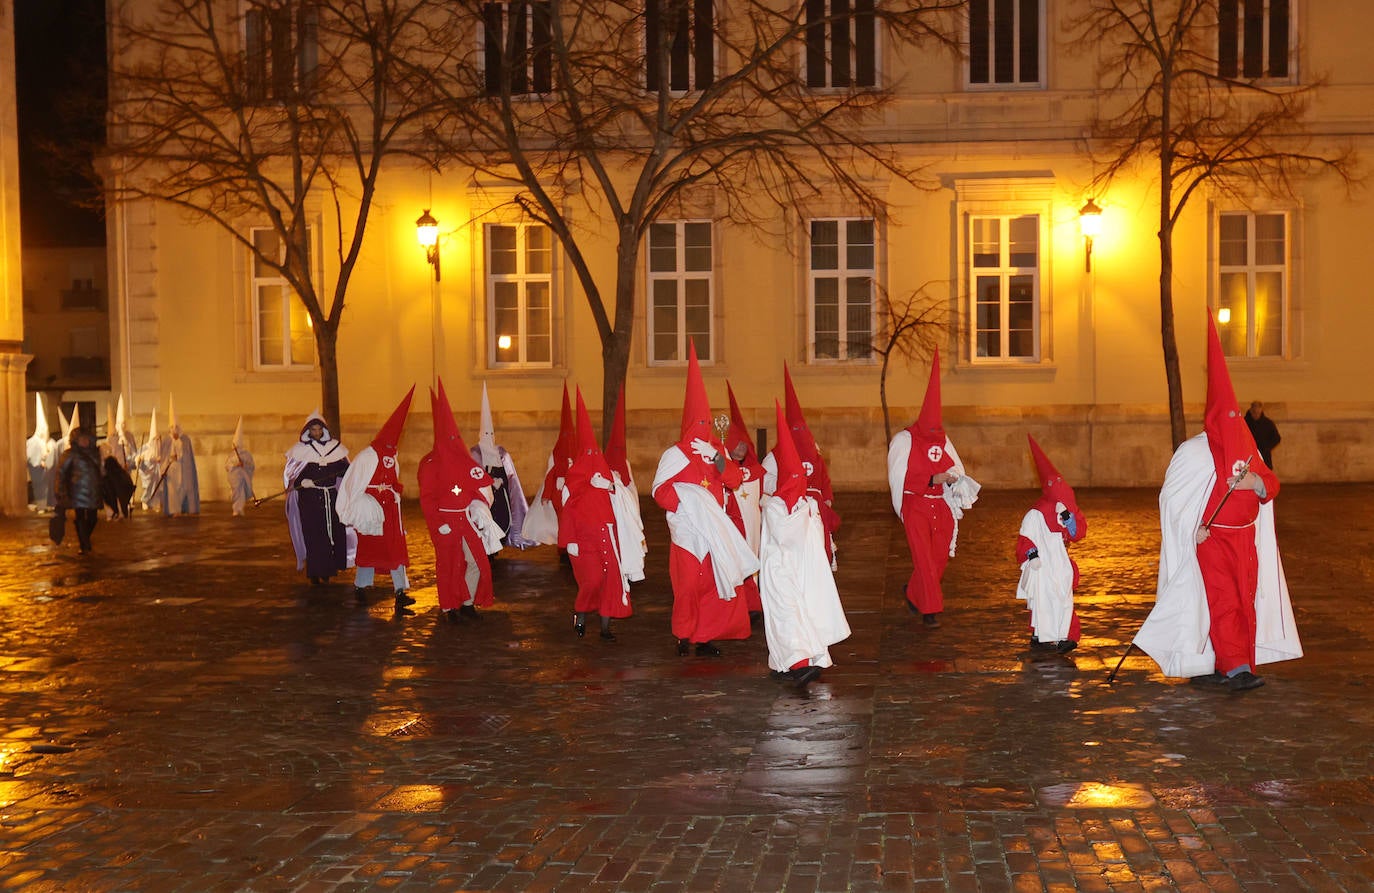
column 699, row 613
column 387, row 551
column 928, row 522
column 444, row 498
column 589, row 521
column 1230, row 567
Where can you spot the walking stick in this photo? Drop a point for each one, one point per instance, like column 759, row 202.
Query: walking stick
column 261, row 499
column 1129, row 648
column 1236, row 478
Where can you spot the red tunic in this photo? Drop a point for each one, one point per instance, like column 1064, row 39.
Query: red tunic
column 387, row 551
column 444, row 498
column 928, row 522
column 699, row 613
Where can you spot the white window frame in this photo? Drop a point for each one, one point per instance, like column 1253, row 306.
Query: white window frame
column 522, row 278
column 841, row 273
column 691, row 50
column 853, row 51
column 1007, row 198
column 256, row 283
column 1016, row 83
column 681, row 276
column 531, row 92
column 1251, row 269
column 1291, row 77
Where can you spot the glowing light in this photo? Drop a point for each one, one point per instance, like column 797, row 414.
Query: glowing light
column 503, row 342
column 1224, row 315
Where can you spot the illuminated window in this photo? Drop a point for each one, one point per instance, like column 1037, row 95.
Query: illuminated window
column 685, row 29
column 842, row 267
column 1253, row 39
column 1004, row 41
column 516, row 47
column 841, row 43
column 519, row 262
column 283, row 337
column 1252, row 286
column 1004, row 282
column 680, row 291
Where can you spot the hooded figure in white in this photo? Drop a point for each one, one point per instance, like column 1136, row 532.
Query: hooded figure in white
column 183, row 484
column 40, row 454
column 238, row 465
column 152, row 462
column 509, row 506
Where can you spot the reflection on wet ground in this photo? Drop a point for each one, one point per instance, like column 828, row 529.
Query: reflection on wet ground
column 182, row 711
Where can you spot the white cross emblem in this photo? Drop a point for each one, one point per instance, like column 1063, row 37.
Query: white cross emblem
column 935, row 453
column 745, row 473
column 457, row 490
column 389, row 461
column 475, row 473
column 810, row 469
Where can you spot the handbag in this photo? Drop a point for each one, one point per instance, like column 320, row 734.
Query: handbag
column 57, row 526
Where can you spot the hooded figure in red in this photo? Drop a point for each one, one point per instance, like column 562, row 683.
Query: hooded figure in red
column 817, row 473
column 587, row 531
column 455, row 494
column 709, row 559
column 1048, row 575
column 370, row 502
column 742, row 504
column 930, row 491
column 1222, row 605
column 541, row 521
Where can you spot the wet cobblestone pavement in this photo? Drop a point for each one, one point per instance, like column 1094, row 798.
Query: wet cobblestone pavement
column 181, row 711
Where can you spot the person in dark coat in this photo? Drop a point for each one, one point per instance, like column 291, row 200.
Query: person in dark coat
column 78, row 484
column 314, row 467
column 1265, row 432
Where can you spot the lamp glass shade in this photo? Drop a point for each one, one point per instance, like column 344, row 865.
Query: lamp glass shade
column 1090, row 219
column 427, row 229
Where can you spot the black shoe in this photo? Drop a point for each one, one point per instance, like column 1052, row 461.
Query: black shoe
column 360, row 595
column 1244, row 681
column 1066, row 646
column 1210, row 679
column 682, row 646
column 706, row 649
column 404, row 598
column 1037, row 645
column 403, row 611
column 579, row 625
column 911, row 609
column 930, row 621
column 315, row 581
column 452, row 616
column 607, row 635
column 805, row 675
column 470, row 612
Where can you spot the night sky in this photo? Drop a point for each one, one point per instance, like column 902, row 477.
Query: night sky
column 60, row 63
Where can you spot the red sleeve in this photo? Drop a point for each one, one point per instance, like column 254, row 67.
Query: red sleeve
column 1271, row 481
column 1023, row 546
column 666, row 496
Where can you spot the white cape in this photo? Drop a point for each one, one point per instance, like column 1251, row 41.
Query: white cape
column 629, row 528
column 959, row 495
column 355, row 506
column 802, row 613
column 1175, row 635
column 541, row 521
column 1047, row 590
column 701, row 526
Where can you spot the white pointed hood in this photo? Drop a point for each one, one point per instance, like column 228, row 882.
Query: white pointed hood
column 40, row 425
column 491, row 456
column 119, row 415
column 238, row 434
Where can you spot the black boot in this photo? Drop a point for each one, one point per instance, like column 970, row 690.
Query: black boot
column 707, row 649
column 580, row 624
column 470, row 612
column 606, row 633
column 682, row 647
column 404, row 599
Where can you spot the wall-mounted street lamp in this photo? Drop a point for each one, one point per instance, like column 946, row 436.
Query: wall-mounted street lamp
column 1090, row 224
column 427, row 231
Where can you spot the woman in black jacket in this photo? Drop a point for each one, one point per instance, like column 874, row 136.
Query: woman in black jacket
column 78, row 484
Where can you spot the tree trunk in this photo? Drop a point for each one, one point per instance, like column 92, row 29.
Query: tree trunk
column 882, row 394
column 615, row 351
column 326, row 338
column 1177, row 426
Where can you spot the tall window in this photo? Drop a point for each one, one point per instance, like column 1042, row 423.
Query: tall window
column 281, row 51
column 516, row 44
column 1252, row 38
column 520, row 294
column 685, row 30
column 841, row 43
column 284, row 339
column 1252, row 289
column 680, row 291
column 842, row 270
column 1004, row 269
column 1004, row 42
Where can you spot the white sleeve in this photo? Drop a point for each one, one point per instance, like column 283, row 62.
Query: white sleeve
column 898, row 453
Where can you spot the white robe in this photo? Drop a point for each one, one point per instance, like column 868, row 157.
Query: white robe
column 1047, row 590
column 629, row 528
column 541, row 521
column 802, row 613
column 1175, row 635
column 701, row 526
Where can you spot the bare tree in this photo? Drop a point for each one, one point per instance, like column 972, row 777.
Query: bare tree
column 913, row 327
column 632, row 110
column 1178, row 93
column 266, row 114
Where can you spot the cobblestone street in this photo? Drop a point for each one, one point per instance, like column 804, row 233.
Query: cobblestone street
column 181, row 710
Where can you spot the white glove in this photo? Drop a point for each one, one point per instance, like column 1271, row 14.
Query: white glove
column 308, row 484
column 445, row 529
column 599, row 481
column 704, row 449
column 1034, row 563
column 572, row 549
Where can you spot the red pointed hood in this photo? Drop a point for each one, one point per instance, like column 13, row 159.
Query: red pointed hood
column 566, row 444
column 696, row 408
column 802, row 437
column 739, row 432
column 1056, row 495
column 616, row 456
column 929, row 424
column 791, row 474
column 389, row 437
column 449, row 449
column 588, row 459
column 1227, row 434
